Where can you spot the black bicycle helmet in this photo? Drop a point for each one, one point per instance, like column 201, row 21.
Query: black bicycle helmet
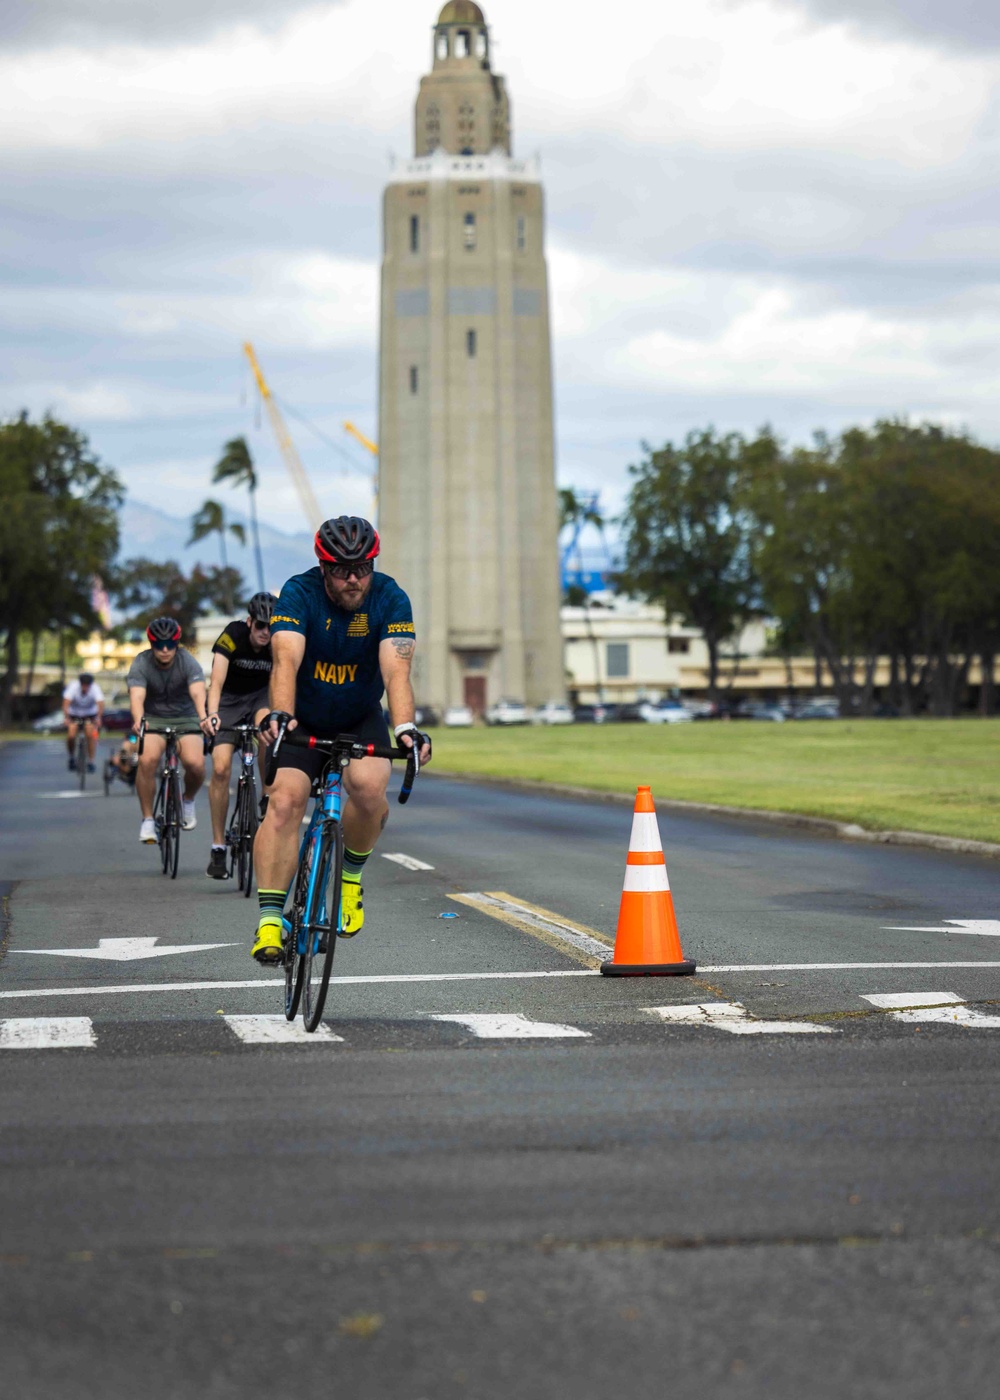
column 164, row 629
column 260, row 607
column 346, row 540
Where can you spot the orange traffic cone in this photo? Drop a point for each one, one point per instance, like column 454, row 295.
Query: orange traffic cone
column 647, row 943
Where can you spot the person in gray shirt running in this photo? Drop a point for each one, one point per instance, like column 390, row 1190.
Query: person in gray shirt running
column 166, row 687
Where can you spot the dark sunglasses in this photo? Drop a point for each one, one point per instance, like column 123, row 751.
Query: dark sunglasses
column 164, row 646
column 344, row 571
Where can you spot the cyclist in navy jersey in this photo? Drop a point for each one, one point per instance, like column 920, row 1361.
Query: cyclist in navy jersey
column 341, row 635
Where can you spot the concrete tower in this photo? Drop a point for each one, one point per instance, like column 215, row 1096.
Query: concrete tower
column 467, row 509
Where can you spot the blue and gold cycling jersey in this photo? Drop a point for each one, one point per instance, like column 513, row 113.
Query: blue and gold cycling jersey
column 339, row 681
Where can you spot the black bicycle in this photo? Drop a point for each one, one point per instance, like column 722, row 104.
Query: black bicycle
column 314, row 920
column 81, row 755
column 242, row 827
column 168, row 808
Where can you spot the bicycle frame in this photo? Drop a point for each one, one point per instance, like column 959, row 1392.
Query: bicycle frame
column 326, row 809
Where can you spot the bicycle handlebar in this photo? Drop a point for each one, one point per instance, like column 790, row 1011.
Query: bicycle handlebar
column 206, row 742
column 347, row 746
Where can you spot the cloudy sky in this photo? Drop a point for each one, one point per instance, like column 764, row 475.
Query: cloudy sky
column 778, row 211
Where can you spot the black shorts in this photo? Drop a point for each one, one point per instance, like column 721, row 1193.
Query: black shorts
column 371, row 729
column 239, row 709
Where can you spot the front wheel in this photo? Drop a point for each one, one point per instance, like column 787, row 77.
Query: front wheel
column 321, row 922
column 170, row 835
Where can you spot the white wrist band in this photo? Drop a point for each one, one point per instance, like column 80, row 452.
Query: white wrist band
column 402, row 728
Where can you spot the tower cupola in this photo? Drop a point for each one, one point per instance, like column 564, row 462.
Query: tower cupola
column 462, row 107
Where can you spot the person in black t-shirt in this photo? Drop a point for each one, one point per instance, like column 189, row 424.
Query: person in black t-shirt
column 237, row 694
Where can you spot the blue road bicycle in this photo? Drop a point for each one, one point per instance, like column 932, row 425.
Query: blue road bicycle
column 314, row 919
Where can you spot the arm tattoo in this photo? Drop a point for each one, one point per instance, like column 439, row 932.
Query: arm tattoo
column 403, row 647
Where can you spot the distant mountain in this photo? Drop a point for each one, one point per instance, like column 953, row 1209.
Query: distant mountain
column 154, row 534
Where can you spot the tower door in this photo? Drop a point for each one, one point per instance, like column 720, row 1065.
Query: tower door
column 475, row 694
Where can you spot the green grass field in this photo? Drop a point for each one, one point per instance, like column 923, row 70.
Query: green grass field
column 940, row 776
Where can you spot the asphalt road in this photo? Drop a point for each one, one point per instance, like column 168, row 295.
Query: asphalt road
column 792, row 1191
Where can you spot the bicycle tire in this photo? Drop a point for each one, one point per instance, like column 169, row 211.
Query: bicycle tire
column 81, row 755
column 326, row 892
column 170, row 836
column 109, row 777
column 250, row 833
column 245, row 826
column 294, row 961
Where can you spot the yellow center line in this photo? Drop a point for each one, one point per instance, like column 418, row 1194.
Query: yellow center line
column 577, row 941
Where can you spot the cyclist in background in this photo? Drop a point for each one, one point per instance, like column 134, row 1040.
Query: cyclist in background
column 237, row 694
column 126, row 760
column 83, row 703
column 341, row 634
column 166, row 687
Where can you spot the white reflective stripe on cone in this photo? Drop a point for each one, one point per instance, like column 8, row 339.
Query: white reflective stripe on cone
column 645, row 879
column 645, row 832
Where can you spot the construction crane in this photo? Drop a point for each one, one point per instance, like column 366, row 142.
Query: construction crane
column 307, row 497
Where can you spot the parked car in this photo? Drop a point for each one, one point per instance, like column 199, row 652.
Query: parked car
column 507, row 712
column 665, row 712
column 820, row 709
column 555, row 712
column 118, row 720
column 53, row 723
column 628, row 714
column 426, row 717
column 591, row 714
column 762, row 710
column 458, row 717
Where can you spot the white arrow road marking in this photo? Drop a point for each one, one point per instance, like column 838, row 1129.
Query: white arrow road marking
column 47, row 1033
column 123, row 950
column 987, row 928
column 410, row 862
column 732, row 1016
column 276, row 1030
column 514, row 1027
column 933, row 1006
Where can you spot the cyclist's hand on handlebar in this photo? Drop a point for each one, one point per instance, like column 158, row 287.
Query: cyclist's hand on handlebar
column 210, row 726
column 408, row 735
column 270, row 725
column 137, row 725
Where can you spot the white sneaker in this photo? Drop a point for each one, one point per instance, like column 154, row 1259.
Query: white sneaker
column 147, row 832
column 190, row 820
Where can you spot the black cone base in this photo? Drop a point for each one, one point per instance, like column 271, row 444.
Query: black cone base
column 680, row 969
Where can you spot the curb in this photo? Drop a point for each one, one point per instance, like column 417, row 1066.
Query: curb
column 845, row 831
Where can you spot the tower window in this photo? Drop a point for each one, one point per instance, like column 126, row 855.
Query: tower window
column 462, row 44
column 470, row 344
column 617, row 660
column 413, row 379
column 520, row 234
column 481, row 44
column 442, row 44
column 469, row 231
column 414, row 233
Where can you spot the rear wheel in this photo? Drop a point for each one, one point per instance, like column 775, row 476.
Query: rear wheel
column 109, row 776
column 81, row 756
column 322, row 923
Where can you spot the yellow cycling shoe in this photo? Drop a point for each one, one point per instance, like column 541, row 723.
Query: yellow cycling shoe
column 267, row 948
column 352, row 912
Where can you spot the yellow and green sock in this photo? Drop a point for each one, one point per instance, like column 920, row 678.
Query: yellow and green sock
column 354, row 863
column 271, row 902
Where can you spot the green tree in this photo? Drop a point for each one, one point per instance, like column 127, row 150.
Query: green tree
column 576, row 511
column 146, row 588
column 211, row 520
column 58, row 528
column 687, row 533
column 236, row 466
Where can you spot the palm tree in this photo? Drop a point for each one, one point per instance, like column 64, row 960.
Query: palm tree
column 575, row 512
column 211, row 520
column 236, row 466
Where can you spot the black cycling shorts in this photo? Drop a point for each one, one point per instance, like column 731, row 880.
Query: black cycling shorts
column 370, row 729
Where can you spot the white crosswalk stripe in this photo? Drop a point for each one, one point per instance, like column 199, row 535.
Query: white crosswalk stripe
column 47, row 1033
column 944, row 1007
column 514, row 1027
column 408, row 862
column 732, row 1016
column 276, row 1030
